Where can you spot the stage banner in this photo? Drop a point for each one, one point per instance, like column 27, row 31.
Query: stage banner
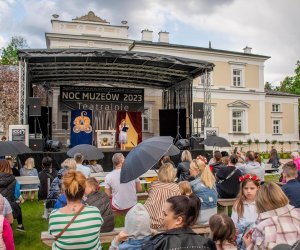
column 81, row 127
column 100, row 98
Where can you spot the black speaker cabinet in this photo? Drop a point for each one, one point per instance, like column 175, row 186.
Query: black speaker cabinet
column 42, row 123
column 195, row 143
column 34, row 106
column 198, row 110
column 168, row 122
column 36, row 144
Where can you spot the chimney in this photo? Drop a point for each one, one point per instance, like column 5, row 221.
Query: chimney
column 247, row 50
column 147, row 35
column 163, row 37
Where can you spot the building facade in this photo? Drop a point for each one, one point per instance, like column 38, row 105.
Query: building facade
column 240, row 107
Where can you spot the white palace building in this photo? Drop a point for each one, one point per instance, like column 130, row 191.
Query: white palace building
column 240, row 107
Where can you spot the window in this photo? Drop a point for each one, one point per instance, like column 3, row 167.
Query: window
column 276, row 126
column 237, row 77
column 275, row 107
column 146, row 120
column 237, row 121
column 65, row 120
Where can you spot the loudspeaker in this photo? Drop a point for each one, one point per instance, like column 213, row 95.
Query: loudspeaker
column 168, row 122
column 34, row 106
column 195, row 143
column 198, row 110
column 36, row 144
column 41, row 123
column 182, row 144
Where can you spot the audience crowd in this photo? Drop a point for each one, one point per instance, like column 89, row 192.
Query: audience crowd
column 264, row 215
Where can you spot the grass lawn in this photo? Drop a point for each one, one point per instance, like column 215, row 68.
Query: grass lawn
column 34, row 224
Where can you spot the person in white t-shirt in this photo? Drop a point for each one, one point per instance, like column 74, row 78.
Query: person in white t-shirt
column 79, row 167
column 122, row 195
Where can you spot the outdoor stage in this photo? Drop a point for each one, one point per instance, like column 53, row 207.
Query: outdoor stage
column 59, row 157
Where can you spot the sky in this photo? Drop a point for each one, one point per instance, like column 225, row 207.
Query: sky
column 269, row 27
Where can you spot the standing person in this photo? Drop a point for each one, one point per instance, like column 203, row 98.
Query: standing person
column 244, row 210
column 99, row 199
column 274, row 159
column 203, row 187
column 56, row 185
column 296, row 159
column 228, row 183
column 123, row 127
column 46, row 177
column 292, row 186
column 222, row 232
column 183, row 173
column 6, row 234
column 159, row 192
column 78, row 157
column 277, row 223
column 9, row 188
column 83, row 232
column 252, row 166
column 180, row 213
column 122, row 195
column 94, row 166
column 29, row 170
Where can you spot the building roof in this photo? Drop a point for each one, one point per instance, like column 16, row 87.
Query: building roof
column 71, row 66
column 278, row 93
column 179, row 46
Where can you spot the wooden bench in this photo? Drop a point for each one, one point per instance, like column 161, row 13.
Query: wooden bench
column 109, row 236
column 23, row 180
column 225, row 203
column 151, row 174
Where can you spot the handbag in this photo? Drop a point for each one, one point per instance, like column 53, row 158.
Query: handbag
column 228, row 176
column 69, row 224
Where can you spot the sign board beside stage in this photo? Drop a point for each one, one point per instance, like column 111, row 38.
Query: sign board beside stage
column 100, row 98
column 210, row 131
column 106, row 138
column 19, row 133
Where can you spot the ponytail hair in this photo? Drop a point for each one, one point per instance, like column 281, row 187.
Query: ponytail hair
column 206, row 176
column 74, row 185
column 234, row 159
column 187, row 207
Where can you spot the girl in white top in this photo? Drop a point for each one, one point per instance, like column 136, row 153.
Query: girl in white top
column 244, row 210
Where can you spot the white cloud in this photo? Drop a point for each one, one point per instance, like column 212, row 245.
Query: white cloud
column 269, row 27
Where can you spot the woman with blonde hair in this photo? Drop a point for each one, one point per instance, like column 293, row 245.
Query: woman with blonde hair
column 277, row 223
column 159, row 192
column 204, row 187
column 183, row 167
column 75, row 225
column 55, row 188
column 29, row 170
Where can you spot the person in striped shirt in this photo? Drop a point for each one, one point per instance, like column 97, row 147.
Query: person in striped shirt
column 84, row 232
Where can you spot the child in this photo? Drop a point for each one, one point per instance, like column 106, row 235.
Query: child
column 29, row 170
column 185, row 188
column 244, row 210
column 222, row 231
column 292, row 186
column 137, row 230
column 99, row 199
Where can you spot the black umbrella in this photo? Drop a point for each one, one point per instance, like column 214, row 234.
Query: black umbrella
column 144, row 156
column 216, row 141
column 89, row 152
column 13, row 148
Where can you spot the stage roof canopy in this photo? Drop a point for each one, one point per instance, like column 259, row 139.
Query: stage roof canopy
column 109, row 67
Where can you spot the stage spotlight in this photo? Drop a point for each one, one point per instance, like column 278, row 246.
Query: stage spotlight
column 52, row 145
column 182, row 144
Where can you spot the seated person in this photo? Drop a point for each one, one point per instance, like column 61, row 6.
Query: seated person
column 292, row 186
column 137, row 230
column 228, row 184
column 218, row 164
column 79, row 158
column 99, row 199
column 123, row 195
column 95, row 167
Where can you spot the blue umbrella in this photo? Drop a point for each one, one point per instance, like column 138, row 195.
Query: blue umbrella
column 145, row 155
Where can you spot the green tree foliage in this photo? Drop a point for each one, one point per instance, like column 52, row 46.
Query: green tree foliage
column 268, row 86
column 9, row 55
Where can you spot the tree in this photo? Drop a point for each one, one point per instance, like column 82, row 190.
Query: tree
column 9, row 55
column 268, row 86
column 256, row 141
column 249, row 141
column 267, row 142
column 281, row 143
